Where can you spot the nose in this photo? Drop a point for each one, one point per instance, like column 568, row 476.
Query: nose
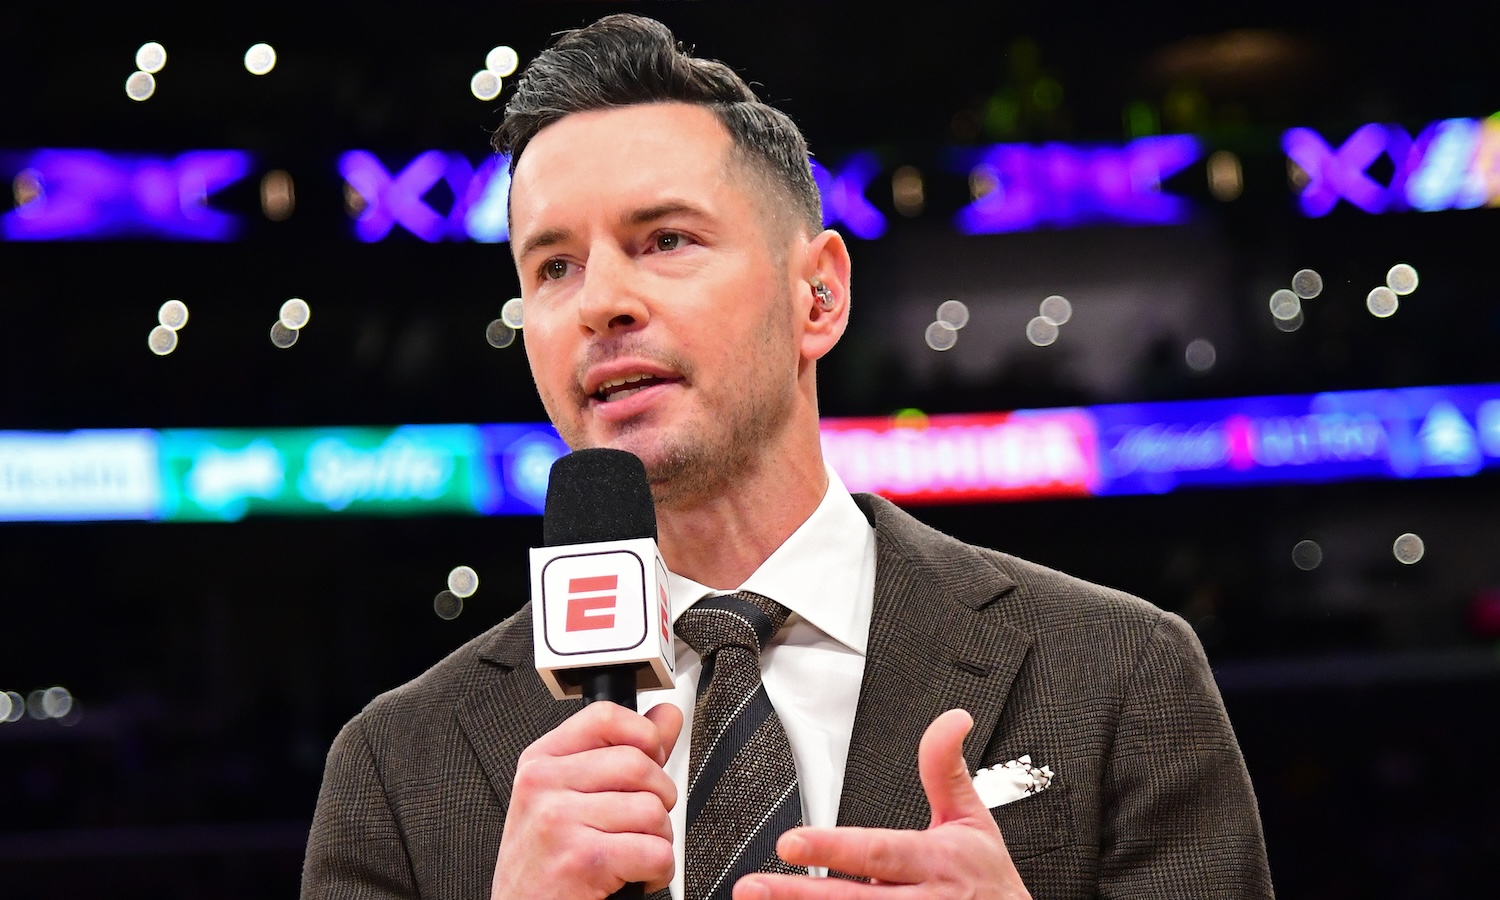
column 611, row 300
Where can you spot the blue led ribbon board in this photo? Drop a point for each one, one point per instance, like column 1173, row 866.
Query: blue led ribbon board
column 223, row 475
column 1436, row 432
column 79, row 475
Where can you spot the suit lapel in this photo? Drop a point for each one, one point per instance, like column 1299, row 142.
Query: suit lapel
column 937, row 642
column 504, row 714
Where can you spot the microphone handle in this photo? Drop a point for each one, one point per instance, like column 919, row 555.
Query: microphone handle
column 613, row 683
column 617, row 685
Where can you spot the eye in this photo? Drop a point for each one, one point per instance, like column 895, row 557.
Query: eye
column 667, row 241
column 553, row 269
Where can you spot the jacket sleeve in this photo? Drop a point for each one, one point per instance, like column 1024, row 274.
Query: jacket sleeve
column 356, row 850
column 1179, row 813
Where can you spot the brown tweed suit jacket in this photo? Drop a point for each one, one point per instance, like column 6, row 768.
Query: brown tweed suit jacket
column 1150, row 800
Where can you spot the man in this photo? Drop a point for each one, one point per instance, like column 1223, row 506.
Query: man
column 679, row 290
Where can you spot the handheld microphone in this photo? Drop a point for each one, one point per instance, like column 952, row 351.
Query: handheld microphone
column 600, row 614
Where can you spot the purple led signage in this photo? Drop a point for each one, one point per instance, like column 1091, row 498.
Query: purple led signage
column 1334, row 174
column 1449, row 165
column 1062, row 186
column 89, row 194
column 478, row 210
column 843, row 195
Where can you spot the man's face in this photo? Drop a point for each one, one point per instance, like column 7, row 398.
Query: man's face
column 658, row 316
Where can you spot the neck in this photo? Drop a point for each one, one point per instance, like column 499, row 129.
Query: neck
column 720, row 540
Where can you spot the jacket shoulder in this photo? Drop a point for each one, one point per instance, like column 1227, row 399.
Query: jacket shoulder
column 1032, row 597
column 431, row 699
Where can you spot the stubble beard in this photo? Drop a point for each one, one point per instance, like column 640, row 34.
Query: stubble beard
column 705, row 457
column 710, row 455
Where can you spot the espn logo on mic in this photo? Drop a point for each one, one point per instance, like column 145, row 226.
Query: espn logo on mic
column 588, row 609
column 601, row 604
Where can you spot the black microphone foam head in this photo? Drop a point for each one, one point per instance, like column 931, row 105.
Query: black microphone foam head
column 598, row 495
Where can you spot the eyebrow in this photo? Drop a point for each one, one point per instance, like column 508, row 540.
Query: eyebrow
column 650, row 214
column 643, row 216
column 547, row 238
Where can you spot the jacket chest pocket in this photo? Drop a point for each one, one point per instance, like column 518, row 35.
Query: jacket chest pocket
column 1036, row 824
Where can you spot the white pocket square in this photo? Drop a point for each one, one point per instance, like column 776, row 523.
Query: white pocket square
column 1009, row 782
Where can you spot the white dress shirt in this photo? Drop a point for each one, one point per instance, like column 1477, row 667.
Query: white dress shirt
column 825, row 575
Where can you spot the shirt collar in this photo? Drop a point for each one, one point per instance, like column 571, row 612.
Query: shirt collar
column 818, row 573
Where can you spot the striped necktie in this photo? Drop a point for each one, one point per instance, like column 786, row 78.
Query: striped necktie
column 742, row 781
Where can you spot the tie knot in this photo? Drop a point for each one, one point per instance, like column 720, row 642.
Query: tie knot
column 738, row 620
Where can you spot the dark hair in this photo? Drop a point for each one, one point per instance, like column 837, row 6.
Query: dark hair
column 625, row 60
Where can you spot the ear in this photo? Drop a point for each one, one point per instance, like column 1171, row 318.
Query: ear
column 826, row 262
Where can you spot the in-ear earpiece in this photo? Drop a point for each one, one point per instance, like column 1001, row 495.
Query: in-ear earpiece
column 824, row 295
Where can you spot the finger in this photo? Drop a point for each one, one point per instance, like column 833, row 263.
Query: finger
column 886, row 854
column 624, row 769
column 620, row 813
column 599, row 725
column 668, row 721
column 619, row 859
column 765, row 886
column 944, row 773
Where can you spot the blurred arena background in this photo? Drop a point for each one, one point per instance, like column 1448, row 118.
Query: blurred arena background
column 1196, row 300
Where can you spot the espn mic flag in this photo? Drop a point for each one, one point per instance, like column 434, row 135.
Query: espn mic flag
column 599, row 587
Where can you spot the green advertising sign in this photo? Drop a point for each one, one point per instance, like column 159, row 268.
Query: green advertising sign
column 222, row 475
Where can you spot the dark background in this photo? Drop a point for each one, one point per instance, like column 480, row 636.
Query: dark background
column 214, row 663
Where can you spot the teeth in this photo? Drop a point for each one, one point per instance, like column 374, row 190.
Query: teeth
column 616, row 382
column 621, row 395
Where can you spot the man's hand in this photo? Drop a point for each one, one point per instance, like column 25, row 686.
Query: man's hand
column 961, row 854
column 588, row 810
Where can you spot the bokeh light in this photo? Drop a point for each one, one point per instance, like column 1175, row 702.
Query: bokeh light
column 295, row 313
column 447, row 605
column 1056, row 309
column 162, row 340
column 513, row 313
column 502, row 60
column 1285, row 305
column 16, row 705
column 1201, row 355
column 1226, row 178
column 1307, row 284
column 57, row 702
column 1409, row 549
column 954, row 313
column 1382, row 302
column 499, row 335
column 151, row 57
column 282, row 336
column 28, row 187
column 463, row 581
column 1402, row 279
column 1042, row 331
column 941, row 336
column 485, row 85
column 5, row 707
column 260, row 59
column 908, row 193
column 140, row 86
column 1307, row 555
column 278, row 199
column 173, row 314
column 1290, row 325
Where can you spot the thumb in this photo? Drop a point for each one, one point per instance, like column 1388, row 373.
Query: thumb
column 668, row 721
column 944, row 773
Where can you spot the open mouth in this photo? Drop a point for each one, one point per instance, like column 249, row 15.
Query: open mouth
column 620, row 388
